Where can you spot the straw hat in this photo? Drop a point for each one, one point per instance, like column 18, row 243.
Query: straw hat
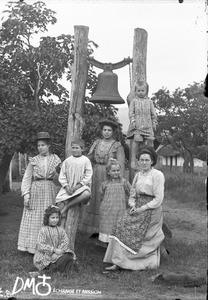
column 108, row 122
column 43, row 136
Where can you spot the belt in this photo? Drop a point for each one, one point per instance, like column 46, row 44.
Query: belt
column 146, row 195
column 37, row 179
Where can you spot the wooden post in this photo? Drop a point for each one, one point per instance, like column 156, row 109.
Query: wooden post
column 10, row 175
column 19, row 163
column 79, row 80
column 138, row 72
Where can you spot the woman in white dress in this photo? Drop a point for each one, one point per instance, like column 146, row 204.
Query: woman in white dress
column 136, row 237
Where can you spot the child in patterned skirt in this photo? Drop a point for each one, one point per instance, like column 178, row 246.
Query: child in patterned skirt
column 143, row 120
column 52, row 251
column 114, row 196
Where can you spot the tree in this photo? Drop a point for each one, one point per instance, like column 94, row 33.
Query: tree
column 183, row 119
column 30, row 80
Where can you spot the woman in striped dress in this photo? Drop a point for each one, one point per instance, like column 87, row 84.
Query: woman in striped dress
column 38, row 191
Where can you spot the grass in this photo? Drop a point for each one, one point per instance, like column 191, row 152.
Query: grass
column 187, row 188
column 184, row 258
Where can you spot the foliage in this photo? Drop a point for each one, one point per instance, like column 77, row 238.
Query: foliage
column 30, row 81
column 32, row 77
column 183, row 119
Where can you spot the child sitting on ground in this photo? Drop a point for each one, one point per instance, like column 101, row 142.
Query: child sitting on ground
column 75, row 178
column 114, row 196
column 143, row 120
column 52, row 251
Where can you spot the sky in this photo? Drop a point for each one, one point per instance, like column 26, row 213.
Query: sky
column 176, row 42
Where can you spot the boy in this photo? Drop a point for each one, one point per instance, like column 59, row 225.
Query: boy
column 75, row 178
column 143, row 120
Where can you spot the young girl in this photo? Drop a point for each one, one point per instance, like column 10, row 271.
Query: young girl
column 143, row 120
column 52, row 251
column 114, row 195
column 75, row 178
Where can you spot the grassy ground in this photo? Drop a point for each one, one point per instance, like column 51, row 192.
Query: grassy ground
column 184, row 214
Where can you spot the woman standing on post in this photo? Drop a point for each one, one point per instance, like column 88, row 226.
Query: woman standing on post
column 38, row 191
column 136, row 237
column 100, row 152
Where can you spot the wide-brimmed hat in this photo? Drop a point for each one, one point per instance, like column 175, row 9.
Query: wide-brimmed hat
column 108, row 122
column 146, row 149
column 43, row 136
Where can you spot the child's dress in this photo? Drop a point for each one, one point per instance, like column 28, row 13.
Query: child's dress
column 49, row 238
column 74, row 170
column 114, row 198
column 142, row 111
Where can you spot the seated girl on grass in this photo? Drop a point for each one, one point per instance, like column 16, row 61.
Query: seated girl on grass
column 52, row 251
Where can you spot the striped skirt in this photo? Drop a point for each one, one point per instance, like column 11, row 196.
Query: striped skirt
column 43, row 194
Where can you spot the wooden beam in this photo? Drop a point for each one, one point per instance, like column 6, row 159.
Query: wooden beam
column 138, row 72
column 78, row 87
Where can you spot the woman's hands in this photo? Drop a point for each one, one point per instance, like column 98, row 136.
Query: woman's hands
column 27, row 200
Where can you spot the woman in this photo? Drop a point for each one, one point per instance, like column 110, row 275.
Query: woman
column 136, row 237
column 100, row 153
column 38, row 191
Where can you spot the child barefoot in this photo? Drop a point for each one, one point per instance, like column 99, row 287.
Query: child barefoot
column 75, row 178
column 143, row 120
column 52, row 252
column 114, row 195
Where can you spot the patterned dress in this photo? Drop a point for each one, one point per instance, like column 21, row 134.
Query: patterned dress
column 49, row 238
column 99, row 154
column 38, row 183
column 135, row 240
column 142, row 111
column 114, row 198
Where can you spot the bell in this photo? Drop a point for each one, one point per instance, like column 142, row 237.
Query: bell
column 107, row 89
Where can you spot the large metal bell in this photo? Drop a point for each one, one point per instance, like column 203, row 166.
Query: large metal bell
column 107, row 89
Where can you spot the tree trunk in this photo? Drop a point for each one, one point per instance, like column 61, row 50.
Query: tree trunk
column 4, row 167
column 138, row 72
column 191, row 162
column 79, row 80
column 186, row 157
column 192, row 165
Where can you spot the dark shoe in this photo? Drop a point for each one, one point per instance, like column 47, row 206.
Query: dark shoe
column 164, row 252
column 101, row 244
column 94, row 236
